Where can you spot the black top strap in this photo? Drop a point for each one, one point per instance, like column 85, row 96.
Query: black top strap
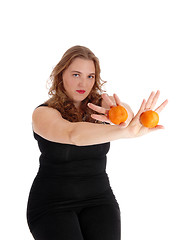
column 42, row 105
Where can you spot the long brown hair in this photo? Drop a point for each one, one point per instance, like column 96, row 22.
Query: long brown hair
column 58, row 98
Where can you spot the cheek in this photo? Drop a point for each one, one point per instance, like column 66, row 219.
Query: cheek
column 68, row 84
column 92, row 84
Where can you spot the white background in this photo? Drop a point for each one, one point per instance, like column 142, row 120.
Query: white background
column 142, row 47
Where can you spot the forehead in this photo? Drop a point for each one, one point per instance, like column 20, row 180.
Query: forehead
column 82, row 65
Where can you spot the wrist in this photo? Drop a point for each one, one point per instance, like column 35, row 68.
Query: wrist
column 127, row 132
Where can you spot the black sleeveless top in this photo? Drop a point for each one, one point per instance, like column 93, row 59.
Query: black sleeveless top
column 69, row 176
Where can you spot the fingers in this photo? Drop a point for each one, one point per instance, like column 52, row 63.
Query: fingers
column 123, row 125
column 108, row 100
column 162, row 106
column 142, row 108
column 118, row 102
column 149, row 101
column 101, row 118
column 145, row 130
column 145, row 105
column 152, row 100
column 157, row 127
column 155, row 99
column 97, row 108
column 136, row 120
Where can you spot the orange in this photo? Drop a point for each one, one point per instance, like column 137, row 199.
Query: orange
column 149, row 119
column 118, row 114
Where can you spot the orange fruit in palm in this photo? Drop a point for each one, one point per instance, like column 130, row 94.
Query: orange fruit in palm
column 149, row 119
column 117, row 114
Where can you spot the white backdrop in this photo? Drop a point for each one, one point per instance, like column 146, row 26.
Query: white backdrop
column 142, row 47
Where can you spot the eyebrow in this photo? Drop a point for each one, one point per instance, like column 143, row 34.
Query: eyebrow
column 80, row 72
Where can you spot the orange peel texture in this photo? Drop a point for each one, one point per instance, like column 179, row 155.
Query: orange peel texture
column 118, row 114
column 149, row 119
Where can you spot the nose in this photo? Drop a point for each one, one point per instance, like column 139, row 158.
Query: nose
column 82, row 82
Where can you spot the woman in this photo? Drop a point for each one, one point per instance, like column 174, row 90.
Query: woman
column 71, row 197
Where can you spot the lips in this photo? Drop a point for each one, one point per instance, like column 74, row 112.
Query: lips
column 81, row 91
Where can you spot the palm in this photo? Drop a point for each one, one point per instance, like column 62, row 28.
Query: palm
column 136, row 127
column 103, row 110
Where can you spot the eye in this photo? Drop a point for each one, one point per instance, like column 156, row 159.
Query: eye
column 75, row 74
column 91, row 76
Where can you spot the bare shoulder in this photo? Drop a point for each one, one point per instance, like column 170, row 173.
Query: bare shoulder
column 48, row 123
column 44, row 112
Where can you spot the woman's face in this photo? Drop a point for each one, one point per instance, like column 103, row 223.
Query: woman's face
column 79, row 79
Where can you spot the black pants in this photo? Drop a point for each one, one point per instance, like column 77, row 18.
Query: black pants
column 91, row 223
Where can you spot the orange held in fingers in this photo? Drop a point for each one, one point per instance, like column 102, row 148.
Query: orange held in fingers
column 149, row 119
column 118, row 114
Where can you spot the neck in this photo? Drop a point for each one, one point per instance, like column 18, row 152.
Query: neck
column 77, row 105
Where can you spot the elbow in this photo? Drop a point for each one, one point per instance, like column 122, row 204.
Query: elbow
column 74, row 135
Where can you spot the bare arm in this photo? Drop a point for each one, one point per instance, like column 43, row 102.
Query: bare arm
column 48, row 123
column 91, row 133
column 135, row 128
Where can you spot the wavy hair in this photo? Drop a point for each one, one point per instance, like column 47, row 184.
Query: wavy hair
column 58, row 97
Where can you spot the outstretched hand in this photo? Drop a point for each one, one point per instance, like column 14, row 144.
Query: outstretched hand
column 133, row 122
column 136, row 128
column 104, row 109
